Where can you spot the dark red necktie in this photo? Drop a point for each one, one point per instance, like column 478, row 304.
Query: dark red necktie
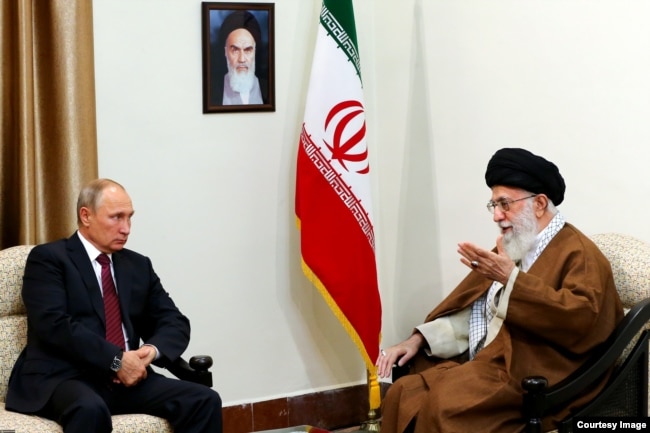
column 114, row 332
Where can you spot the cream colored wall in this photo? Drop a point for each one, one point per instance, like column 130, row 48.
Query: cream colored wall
column 447, row 83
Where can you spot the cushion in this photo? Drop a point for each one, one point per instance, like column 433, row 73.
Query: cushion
column 135, row 423
column 13, row 335
column 12, row 267
column 630, row 260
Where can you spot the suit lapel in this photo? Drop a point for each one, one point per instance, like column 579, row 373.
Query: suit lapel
column 80, row 258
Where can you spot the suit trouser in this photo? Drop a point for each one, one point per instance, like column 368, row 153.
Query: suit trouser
column 83, row 406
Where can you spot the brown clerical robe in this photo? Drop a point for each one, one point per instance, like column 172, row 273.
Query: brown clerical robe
column 558, row 312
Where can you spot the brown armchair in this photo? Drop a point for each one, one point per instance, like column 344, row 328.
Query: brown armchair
column 626, row 394
column 13, row 337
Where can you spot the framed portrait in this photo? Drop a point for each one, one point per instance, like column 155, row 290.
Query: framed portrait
column 238, row 57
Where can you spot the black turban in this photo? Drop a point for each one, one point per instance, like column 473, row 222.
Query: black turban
column 240, row 20
column 521, row 169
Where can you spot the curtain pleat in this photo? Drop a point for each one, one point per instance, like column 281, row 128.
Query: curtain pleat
column 48, row 137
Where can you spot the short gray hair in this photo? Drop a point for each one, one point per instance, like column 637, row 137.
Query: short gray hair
column 91, row 194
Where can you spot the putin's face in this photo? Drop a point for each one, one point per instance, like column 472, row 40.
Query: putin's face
column 108, row 226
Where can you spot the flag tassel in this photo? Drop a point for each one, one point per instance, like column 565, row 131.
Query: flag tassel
column 373, row 423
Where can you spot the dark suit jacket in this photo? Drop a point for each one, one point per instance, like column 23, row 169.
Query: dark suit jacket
column 66, row 325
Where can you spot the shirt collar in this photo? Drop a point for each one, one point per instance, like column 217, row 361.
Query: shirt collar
column 90, row 248
column 543, row 239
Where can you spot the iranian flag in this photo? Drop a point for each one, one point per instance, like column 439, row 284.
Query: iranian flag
column 333, row 206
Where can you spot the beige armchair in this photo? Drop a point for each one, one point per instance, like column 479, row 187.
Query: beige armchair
column 13, row 337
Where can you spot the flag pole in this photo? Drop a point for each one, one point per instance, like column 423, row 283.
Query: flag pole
column 373, row 423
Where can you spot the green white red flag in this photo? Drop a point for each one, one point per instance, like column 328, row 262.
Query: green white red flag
column 333, row 205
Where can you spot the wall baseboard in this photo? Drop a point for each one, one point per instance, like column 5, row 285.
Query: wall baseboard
column 328, row 410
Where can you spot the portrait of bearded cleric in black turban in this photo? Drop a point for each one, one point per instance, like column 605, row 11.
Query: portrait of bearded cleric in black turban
column 238, row 57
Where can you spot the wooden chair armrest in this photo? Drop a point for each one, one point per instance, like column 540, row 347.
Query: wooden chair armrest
column 398, row 371
column 197, row 370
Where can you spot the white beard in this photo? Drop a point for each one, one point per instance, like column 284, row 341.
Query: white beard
column 521, row 239
column 241, row 82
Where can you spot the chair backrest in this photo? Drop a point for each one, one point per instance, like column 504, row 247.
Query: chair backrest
column 630, row 260
column 13, row 317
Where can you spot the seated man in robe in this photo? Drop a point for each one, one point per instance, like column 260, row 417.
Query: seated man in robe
column 538, row 303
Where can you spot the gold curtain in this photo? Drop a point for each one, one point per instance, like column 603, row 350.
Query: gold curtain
column 48, row 135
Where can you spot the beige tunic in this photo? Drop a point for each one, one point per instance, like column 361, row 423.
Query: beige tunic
column 558, row 312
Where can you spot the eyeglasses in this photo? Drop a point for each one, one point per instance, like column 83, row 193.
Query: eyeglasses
column 504, row 204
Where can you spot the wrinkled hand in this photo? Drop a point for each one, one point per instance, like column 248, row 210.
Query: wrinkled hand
column 134, row 366
column 402, row 351
column 495, row 266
